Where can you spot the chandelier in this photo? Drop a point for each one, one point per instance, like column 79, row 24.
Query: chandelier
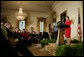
column 21, row 15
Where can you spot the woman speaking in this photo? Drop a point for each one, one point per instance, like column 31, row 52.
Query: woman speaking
column 68, row 30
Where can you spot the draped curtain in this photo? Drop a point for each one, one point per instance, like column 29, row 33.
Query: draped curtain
column 26, row 23
column 18, row 23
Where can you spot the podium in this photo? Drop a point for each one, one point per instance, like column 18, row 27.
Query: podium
column 60, row 38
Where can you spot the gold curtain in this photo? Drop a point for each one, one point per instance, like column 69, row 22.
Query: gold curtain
column 18, row 23
column 38, row 24
column 44, row 20
column 26, row 23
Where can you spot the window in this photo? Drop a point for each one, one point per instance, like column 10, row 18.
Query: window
column 21, row 25
column 54, row 24
column 41, row 26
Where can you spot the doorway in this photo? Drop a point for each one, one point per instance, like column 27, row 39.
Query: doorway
column 63, row 16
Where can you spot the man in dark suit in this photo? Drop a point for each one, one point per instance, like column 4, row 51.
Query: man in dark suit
column 45, row 35
column 9, row 33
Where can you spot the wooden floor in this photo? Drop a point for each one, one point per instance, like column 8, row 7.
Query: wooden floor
column 19, row 54
column 37, row 50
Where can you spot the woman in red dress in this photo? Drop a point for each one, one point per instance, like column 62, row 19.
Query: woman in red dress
column 68, row 30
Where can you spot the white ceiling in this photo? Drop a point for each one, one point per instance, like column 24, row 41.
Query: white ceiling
column 27, row 5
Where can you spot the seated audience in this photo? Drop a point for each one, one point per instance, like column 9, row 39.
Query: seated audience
column 16, row 34
column 34, row 37
column 40, row 36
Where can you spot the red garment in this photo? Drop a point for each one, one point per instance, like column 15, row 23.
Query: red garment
column 68, row 29
column 24, row 35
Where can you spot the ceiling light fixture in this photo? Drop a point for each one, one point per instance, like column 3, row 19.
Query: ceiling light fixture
column 21, row 15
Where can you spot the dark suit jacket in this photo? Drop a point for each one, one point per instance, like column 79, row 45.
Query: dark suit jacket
column 2, row 38
column 45, row 35
column 3, row 42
